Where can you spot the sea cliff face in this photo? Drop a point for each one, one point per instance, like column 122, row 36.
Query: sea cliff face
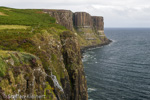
column 89, row 29
column 55, row 73
column 63, row 17
column 40, row 59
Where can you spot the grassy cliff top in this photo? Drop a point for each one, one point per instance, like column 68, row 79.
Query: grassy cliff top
column 22, row 24
column 27, row 17
column 26, row 20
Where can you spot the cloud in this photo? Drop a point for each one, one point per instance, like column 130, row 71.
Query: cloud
column 117, row 13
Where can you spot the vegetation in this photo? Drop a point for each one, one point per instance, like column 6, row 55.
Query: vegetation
column 25, row 17
column 9, row 58
column 2, row 14
column 20, row 25
column 2, row 27
column 26, row 21
column 33, row 32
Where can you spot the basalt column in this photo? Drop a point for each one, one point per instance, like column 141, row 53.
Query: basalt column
column 82, row 19
column 98, row 24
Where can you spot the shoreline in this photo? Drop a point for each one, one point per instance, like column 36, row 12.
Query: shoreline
column 83, row 49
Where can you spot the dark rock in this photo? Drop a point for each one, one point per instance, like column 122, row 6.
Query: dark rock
column 82, row 19
column 98, row 23
column 73, row 64
column 63, row 17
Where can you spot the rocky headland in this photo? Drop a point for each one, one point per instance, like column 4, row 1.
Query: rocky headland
column 40, row 57
column 89, row 29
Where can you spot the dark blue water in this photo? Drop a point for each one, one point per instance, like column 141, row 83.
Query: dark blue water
column 120, row 70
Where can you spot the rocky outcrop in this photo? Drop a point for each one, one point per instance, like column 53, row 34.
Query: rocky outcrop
column 23, row 77
column 74, row 66
column 82, row 19
column 63, row 17
column 98, row 23
column 89, row 29
column 76, row 20
column 54, row 70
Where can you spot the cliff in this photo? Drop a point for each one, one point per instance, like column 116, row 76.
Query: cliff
column 98, row 23
column 82, row 19
column 63, row 17
column 40, row 56
column 55, row 73
column 89, row 29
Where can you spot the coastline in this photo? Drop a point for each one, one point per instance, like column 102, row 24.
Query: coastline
column 83, row 49
column 53, row 47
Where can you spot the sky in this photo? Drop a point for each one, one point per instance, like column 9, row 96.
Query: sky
column 116, row 13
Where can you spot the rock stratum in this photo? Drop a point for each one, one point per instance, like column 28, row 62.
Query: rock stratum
column 40, row 56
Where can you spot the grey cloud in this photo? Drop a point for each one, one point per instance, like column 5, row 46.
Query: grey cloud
column 117, row 13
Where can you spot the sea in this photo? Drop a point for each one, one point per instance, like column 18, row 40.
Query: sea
column 120, row 70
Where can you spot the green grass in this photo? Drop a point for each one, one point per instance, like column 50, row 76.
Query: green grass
column 27, row 17
column 24, row 31
column 3, row 67
column 19, row 29
column 20, row 25
column 11, row 58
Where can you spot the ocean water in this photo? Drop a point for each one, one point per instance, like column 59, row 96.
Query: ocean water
column 120, row 70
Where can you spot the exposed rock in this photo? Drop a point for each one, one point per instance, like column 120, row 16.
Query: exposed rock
column 63, row 17
column 82, row 19
column 25, row 80
column 90, row 29
column 98, row 23
column 74, row 66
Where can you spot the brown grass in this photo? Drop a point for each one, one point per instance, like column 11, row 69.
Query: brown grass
column 13, row 27
column 3, row 14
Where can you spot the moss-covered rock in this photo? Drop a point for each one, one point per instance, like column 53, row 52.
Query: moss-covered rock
column 73, row 64
column 23, row 76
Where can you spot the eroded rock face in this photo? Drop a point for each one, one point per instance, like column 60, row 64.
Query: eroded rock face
column 24, row 77
column 63, row 17
column 98, row 23
column 90, row 29
column 74, row 66
column 58, row 75
column 77, row 20
column 82, row 19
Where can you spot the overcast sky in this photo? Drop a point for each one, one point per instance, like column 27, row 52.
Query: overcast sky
column 116, row 13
